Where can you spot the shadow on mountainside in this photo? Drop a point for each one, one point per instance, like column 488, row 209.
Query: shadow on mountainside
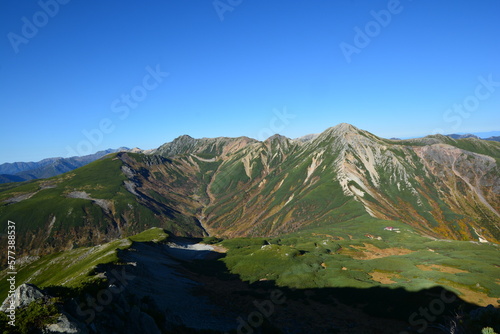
column 182, row 287
column 202, row 294
column 324, row 310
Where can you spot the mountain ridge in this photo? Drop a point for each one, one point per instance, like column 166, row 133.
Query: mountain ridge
column 235, row 187
column 23, row 171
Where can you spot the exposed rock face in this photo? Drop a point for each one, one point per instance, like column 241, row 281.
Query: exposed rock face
column 65, row 325
column 104, row 204
column 24, row 295
column 454, row 165
column 188, row 145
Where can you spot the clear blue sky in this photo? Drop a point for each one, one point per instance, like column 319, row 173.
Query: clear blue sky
column 231, row 77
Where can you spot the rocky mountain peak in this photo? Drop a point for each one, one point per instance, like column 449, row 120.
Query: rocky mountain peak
column 186, row 144
column 183, row 138
column 342, row 130
column 277, row 137
column 178, row 146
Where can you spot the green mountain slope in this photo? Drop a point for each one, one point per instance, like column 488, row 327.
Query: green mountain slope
column 94, row 204
column 441, row 187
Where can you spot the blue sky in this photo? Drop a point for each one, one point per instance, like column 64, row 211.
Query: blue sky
column 240, row 67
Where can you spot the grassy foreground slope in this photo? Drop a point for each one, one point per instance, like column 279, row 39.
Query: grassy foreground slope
column 75, row 269
column 362, row 254
column 349, row 257
column 359, row 253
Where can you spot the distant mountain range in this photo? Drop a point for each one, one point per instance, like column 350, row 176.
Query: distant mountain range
column 23, row 171
column 470, row 135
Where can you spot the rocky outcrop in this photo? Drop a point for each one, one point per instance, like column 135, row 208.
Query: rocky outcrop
column 65, row 324
column 24, row 295
column 213, row 146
